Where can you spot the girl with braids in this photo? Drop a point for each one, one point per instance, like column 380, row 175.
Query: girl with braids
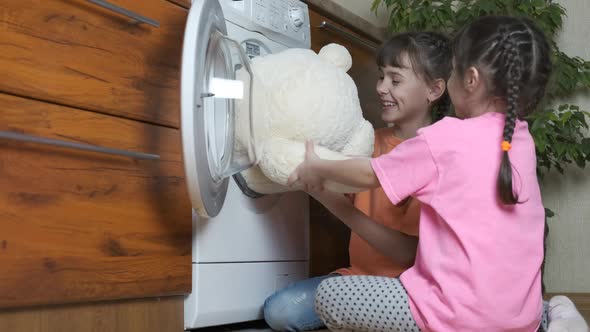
column 414, row 68
column 478, row 264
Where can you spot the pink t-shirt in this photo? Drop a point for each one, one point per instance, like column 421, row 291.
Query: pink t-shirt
column 478, row 266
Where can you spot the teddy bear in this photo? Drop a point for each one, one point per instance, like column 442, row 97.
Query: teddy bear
column 299, row 95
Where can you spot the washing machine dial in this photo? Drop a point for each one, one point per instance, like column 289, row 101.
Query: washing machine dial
column 296, row 16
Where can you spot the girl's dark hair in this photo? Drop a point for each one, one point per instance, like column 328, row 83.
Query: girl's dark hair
column 430, row 54
column 513, row 55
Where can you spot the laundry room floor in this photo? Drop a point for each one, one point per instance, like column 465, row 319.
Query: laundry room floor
column 258, row 326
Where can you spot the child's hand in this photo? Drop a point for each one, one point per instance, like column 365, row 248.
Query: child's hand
column 305, row 173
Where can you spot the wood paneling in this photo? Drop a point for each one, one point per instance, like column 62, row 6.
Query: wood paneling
column 329, row 237
column 183, row 3
column 78, row 225
column 75, row 53
column 145, row 315
column 345, row 15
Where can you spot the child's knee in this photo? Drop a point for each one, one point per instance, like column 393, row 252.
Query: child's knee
column 276, row 313
column 288, row 310
column 324, row 309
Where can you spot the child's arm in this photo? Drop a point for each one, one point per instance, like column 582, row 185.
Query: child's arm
column 399, row 247
column 313, row 171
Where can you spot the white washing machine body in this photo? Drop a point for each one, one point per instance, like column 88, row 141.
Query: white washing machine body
column 243, row 248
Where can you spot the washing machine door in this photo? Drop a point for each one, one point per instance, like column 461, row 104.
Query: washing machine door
column 216, row 111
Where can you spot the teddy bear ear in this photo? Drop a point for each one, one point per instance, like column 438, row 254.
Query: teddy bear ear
column 337, row 55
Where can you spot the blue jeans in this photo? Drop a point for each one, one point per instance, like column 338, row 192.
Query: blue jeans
column 292, row 308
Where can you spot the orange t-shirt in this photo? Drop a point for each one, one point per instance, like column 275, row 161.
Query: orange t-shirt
column 365, row 259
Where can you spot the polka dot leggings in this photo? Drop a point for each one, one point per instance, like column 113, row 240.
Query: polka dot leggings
column 369, row 304
column 364, row 303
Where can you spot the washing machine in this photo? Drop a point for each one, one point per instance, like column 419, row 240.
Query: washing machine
column 245, row 246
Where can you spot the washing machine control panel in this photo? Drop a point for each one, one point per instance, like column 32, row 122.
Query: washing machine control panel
column 297, row 16
column 284, row 19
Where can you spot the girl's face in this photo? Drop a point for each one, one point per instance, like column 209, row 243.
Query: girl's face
column 403, row 94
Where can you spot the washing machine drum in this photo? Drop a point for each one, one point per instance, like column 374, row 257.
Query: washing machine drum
column 216, row 113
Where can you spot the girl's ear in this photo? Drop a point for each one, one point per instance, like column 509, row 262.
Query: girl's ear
column 436, row 90
column 471, row 79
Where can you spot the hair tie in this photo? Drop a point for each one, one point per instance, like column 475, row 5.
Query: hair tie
column 506, row 146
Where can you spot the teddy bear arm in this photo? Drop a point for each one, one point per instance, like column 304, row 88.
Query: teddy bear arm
column 361, row 143
column 282, row 156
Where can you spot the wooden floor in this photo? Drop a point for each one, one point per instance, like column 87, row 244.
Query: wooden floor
column 141, row 315
column 147, row 315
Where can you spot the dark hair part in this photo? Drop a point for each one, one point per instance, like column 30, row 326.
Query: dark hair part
column 514, row 57
column 430, row 54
